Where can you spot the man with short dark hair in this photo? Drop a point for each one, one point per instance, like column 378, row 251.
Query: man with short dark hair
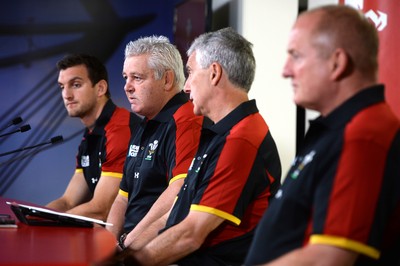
column 84, row 87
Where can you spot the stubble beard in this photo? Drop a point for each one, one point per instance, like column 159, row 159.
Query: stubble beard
column 79, row 111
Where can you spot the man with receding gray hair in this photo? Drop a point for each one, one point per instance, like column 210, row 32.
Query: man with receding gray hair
column 340, row 201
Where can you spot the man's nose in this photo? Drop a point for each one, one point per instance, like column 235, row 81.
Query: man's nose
column 286, row 71
column 66, row 93
column 128, row 87
column 186, row 88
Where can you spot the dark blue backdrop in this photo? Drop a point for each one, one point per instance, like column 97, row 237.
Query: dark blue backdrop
column 34, row 35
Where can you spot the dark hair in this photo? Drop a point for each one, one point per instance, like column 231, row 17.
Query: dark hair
column 96, row 69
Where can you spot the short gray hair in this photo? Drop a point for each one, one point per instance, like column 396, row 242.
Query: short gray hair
column 231, row 50
column 162, row 56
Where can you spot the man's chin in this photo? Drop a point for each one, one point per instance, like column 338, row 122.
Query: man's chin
column 197, row 112
column 73, row 114
column 135, row 108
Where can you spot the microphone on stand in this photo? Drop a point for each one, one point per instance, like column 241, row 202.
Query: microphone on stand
column 15, row 121
column 21, row 129
column 52, row 141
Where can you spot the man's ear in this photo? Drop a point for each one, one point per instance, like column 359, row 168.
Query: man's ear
column 215, row 73
column 102, row 87
column 169, row 79
column 340, row 64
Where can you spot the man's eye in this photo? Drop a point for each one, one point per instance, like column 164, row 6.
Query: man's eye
column 76, row 85
column 294, row 55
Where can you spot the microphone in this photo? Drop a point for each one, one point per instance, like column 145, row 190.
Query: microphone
column 15, row 121
column 21, row 129
column 52, row 141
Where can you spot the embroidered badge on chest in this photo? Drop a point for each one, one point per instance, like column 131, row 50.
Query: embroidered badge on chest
column 152, row 148
column 200, row 163
column 304, row 161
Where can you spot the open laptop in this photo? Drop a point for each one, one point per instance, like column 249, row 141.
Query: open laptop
column 32, row 215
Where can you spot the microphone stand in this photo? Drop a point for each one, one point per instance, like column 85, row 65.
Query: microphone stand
column 21, row 129
column 15, row 121
column 52, row 141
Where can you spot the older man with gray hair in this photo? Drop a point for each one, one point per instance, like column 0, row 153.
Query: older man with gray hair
column 162, row 145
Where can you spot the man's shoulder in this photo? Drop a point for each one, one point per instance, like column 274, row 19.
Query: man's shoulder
column 121, row 111
column 121, row 119
column 185, row 112
column 122, row 114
